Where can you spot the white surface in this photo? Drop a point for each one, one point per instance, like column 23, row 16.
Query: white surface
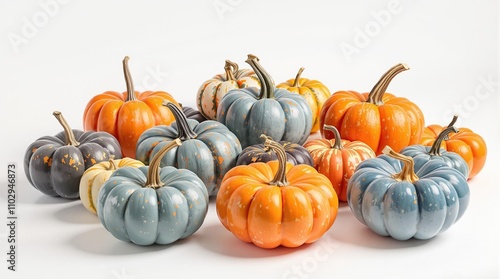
column 450, row 46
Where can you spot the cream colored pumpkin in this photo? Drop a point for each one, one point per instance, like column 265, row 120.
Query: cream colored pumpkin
column 211, row 91
column 94, row 177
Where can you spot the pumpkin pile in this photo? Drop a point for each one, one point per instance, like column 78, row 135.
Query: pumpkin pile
column 148, row 166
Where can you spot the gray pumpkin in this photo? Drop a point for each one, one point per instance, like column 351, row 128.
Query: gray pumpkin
column 149, row 204
column 54, row 165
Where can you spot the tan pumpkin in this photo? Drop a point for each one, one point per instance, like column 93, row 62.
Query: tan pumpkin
column 94, row 177
column 211, row 91
column 315, row 93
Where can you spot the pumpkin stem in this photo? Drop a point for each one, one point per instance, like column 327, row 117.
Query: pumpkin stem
column 112, row 165
column 455, row 118
column 337, row 144
column 267, row 83
column 153, row 179
column 231, row 70
column 280, row 176
column 408, row 172
column 183, row 128
column 128, row 81
column 377, row 92
column 70, row 136
column 297, row 77
column 436, row 146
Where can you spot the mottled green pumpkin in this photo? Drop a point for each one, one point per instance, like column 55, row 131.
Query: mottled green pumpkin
column 149, row 204
column 208, row 148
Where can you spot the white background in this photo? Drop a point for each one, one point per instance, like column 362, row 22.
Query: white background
column 57, row 57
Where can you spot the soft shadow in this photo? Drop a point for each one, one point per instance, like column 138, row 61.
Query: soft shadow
column 99, row 241
column 348, row 229
column 217, row 239
column 44, row 199
column 77, row 214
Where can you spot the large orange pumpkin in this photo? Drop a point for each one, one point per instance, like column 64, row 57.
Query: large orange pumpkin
column 314, row 91
column 126, row 115
column 275, row 203
column 469, row 145
column 337, row 159
column 377, row 118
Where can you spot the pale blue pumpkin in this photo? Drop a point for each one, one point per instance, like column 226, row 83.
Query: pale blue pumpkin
column 421, row 154
column 278, row 113
column 149, row 205
column 395, row 198
column 209, row 149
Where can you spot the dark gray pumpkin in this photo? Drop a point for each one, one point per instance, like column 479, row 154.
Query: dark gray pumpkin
column 192, row 113
column 55, row 164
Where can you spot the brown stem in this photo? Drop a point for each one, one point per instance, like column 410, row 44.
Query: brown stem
column 338, row 141
column 184, row 131
column 297, row 77
column 408, row 172
column 377, row 92
column 280, row 176
column 153, row 178
column 267, row 83
column 70, row 136
column 128, row 81
column 436, row 146
column 455, row 118
column 231, row 70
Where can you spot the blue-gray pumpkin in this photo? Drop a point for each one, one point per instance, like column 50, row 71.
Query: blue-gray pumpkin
column 394, row 198
column 278, row 113
column 149, row 204
column 421, row 154
column 208, row 148
column 54, row 165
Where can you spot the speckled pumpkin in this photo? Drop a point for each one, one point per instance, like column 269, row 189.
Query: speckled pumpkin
column 149, row 205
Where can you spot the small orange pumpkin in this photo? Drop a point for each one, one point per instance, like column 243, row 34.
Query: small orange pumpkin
column 275, row 203
column 376, row 118
column 314, row 91
column 469, row 145
column 337, row 159
column 126, row 115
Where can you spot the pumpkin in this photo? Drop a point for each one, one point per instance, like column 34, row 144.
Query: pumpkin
column 275, row 203
column 149, row 204
column 338, row 158
column 421, row 153
column 314, row 91
column 469, row 145
column 376, row 118
column 192, row 113
column 54, row 165
column 295, row 154
column 211, row 91
column 394, row 198
column 95, row 176
column 209, row 149
column 278, row 113
column 128, row 114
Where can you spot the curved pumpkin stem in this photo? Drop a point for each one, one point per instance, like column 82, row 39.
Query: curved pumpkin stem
column 153, row 179
column 183, row 128
column 377, row 92
column 436, row 146
column 297, row 77
column 70, row 136
column 453, row 121
column 112, row 165
column 231, row 70
column 408, row 172
column 267, row 83
column 337, row 144
column 128, row 81
column 280, row 176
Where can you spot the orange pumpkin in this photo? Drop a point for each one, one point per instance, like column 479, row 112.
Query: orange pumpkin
column 469, row 145
column 275, row 203
column 126, row 115
column 376, row 118
column 337, row 159
column 315, row 93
